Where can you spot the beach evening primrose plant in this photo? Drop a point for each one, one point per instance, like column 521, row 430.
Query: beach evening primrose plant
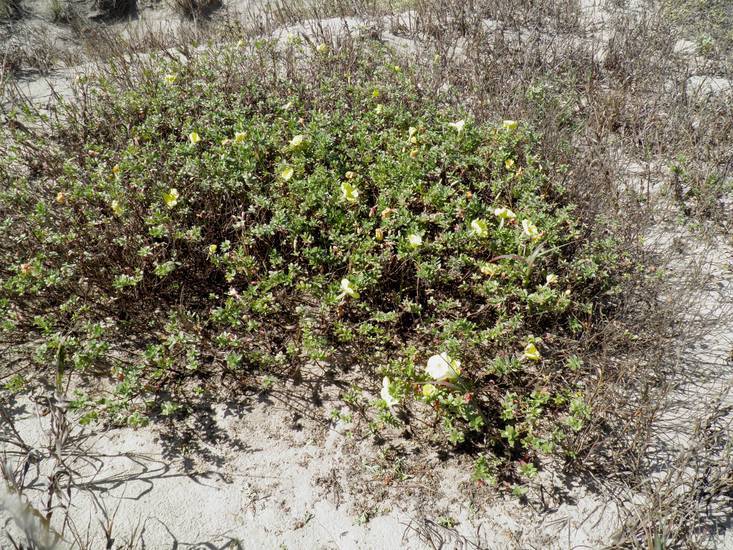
column 347, row 289
column 480, row 228
column 428, row 390
column 458, row 125
column 298, row 235
column 531, row 352
column 414, row 240
column 412, row 135
column 116, row 207
column 504, row 214
column 530, row 230
column 287, row 172
column 387, row 393
column 297, row 141
column 443, row 368
column 349, row 192
column 171, row 197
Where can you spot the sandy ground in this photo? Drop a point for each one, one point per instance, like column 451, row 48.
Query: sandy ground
column 271, row 474
column 258, row 482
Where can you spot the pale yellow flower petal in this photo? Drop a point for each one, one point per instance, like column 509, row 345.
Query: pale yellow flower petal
column 386, row 393
column 480, row 228
column 442, row 367
column 287, row 173
column 348, row 289
column 458, row 125
column 531, row 352
column 415, row 240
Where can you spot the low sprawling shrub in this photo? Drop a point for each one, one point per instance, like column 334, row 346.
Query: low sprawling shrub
column 260, row 207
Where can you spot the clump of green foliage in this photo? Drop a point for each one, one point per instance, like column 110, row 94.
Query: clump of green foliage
column 258, row 208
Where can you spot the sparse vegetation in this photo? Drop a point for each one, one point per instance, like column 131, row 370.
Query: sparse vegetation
column 193, row 9
column 10, row 9
column 111, row 9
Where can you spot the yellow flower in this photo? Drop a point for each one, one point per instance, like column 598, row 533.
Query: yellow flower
column 412, row 135
column 504, row 214
column 348, row 289
column 171, row 197
column 386, row 393
column 551, row 279
column 375, row 93
column 116, row 169
column 60, row 198
column 322, row 48
column 479, row 227
column 442, row 367
column 510, row 124
column 350, row 175
column 415, row 240
column 458, row 125
column 531, row 352
column 194, row 138
column 509, row 164
column 349, row 192
column 169, row 78
column 428, row 390
column 489, row 269
column 212, row 249
column 287, row 173
column 297, row 141
column 379, row 234
column 414, row 153
column 240, row 137
column 116, row 207
column 530, row 230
